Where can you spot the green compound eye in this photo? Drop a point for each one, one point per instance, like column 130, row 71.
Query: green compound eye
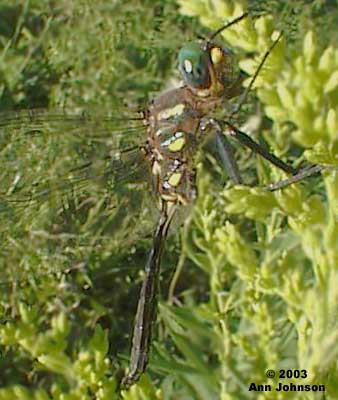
column 193, row 66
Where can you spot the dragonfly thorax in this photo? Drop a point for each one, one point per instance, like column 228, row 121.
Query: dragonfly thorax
column 172, row 142
column 174, row 117
column 171, row 145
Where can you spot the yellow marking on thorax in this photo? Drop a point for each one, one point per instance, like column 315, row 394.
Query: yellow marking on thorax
column 177, row 145
column 175, row 198
column 216, row 55
column 171, row 112
column 156, row 168
column 169, row 197
column 175, row 179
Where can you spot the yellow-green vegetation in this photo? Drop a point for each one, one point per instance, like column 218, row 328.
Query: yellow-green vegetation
column 280, row 307
column 268, row 294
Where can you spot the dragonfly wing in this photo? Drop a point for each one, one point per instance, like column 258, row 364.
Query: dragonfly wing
column 68, row 178
column 40, row 148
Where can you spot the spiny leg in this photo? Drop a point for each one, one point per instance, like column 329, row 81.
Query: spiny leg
column 302, row 174
column 225, row 152
column 298, row 174
column 246, row 141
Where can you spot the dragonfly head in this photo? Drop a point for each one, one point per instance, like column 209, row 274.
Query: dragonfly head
column 206, row 67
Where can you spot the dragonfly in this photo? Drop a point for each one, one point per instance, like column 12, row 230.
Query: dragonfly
column 176, row 123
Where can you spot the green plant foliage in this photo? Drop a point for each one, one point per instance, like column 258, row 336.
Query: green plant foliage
column 86, row 371
column 273, row 280
column 64, row 244
column 264, row 293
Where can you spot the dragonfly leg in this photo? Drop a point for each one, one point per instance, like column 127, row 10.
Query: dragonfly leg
column 298, row 174
column 224, row 150
column 226, row 153
column 302, row 174
column 246, row 140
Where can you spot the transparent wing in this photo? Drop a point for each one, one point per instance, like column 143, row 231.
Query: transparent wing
column 42, row 152
column 74, row 191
